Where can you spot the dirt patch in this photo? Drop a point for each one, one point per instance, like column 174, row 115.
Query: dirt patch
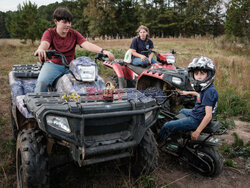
column 174, row 174
column 170, row 172
column 242, row 129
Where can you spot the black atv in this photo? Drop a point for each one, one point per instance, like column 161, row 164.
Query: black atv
column 92, row 126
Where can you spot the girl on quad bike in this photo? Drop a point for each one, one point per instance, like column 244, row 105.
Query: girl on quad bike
column 201, row 74
column 140, row 47
column 62, row 39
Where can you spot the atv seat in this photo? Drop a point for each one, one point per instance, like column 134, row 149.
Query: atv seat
column 212, row 127
column 119, row 61
column 137, row 69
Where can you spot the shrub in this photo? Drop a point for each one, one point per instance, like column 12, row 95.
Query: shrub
column 230, row 104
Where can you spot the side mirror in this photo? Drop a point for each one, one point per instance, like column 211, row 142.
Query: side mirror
column 172, row 51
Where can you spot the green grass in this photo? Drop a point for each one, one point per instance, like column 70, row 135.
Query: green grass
column 231, row 163
column 7, row 167
column 236, row 149
column 231, row 104
column 146, row 182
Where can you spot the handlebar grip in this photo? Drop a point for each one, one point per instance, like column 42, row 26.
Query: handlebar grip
column 101, row 56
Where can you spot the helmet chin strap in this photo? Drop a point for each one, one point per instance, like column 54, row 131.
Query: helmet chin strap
column 197, row 86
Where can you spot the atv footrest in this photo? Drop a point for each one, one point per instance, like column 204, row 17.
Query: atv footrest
column 103, row 159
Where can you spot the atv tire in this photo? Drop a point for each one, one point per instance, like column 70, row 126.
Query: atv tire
column 214, row 159
column 113, row 79
column 146, row 155
column 31, row 159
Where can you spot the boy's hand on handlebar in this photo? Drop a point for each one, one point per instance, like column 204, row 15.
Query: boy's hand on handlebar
column 109, row 54
column 183, row 92
column 41, row 54
column 189, row 93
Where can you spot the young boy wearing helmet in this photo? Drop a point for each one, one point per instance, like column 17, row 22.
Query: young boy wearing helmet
column 201, row 74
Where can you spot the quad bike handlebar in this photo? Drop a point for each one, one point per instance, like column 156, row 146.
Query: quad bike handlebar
column 51, row 53
column 101, row 57
column 172, row 51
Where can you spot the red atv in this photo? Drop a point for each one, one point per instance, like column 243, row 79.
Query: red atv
column 160, row 80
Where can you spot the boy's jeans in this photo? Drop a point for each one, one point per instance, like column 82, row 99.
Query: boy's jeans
column 50, row 71
column 187, row 123
column 138, row 61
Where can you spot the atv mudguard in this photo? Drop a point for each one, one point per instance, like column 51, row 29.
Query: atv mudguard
column 166, row 76
column 116, row 66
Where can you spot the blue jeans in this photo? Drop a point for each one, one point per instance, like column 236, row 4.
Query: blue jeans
column 138, row 61
column 187, row 123
column 49, row 72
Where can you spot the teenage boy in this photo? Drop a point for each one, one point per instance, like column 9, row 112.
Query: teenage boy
column 201, row 74
column 63, row 39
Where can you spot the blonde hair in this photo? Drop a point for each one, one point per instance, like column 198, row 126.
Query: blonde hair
column 142, row 27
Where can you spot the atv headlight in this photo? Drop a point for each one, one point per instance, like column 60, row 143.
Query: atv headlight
column 147, row 115
column 87, row 73
column 59, row 123
column 170, row 59
column 176, row 80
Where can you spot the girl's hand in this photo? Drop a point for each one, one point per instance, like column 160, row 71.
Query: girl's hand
column 143, row 57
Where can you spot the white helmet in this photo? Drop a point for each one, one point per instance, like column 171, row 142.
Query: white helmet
column 202, row 64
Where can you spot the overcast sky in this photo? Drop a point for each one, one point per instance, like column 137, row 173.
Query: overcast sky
column 6, row 5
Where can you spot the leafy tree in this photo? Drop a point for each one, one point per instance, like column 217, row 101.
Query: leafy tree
column 122, row 17
column 79, row 22
column 237, row 18
column 201, row 15
column 101, row 17
column 127, row 16
column 3, row 30
column 25, row 23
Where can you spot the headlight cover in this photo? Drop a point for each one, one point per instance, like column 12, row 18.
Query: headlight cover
column 59, row 123
column 170, row 59
column 87, row 73
column 176, row 80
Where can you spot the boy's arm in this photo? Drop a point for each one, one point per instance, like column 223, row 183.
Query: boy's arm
column 207, row 118
column 189, row 93
column 41, row 50
column 96, row 49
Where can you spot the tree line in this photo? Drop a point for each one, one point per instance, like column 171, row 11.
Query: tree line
column 120, row 18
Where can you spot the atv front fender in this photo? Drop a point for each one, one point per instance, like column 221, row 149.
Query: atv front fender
column 118, row 71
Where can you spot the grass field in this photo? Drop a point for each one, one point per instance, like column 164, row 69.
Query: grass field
column 232, row 82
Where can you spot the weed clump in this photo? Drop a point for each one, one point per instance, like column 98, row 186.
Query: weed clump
column 237, row 148
column 230, row 104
